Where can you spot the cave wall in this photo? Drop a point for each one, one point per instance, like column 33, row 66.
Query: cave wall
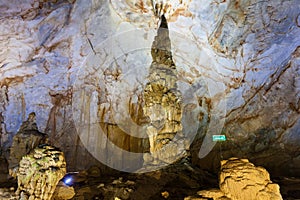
column 87, row 61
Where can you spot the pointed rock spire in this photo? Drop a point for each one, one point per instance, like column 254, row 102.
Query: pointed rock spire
column 161, row 46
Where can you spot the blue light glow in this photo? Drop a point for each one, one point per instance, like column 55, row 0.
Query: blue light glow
column 68, row 181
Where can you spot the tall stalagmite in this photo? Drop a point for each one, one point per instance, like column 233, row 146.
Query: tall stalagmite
column 163, row 101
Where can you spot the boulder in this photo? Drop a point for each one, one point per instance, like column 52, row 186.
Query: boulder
column 63, row 192
column 241, row 180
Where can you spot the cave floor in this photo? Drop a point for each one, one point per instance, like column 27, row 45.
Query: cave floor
column 174, row 182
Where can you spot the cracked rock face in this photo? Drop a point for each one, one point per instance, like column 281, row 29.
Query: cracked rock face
column 246, row 51
column 40, row 172
column 151, row 11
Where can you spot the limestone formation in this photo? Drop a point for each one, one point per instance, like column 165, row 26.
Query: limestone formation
column 250, row 47
column 39, row 173
column 241, row 180
column 163, row 101
column 63, row 192
column 3, row 169
column 7, row 194
column 1, row 129
column 27, row 138
column 152, row 10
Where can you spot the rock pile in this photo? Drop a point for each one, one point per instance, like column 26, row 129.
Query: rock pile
column 241, row 180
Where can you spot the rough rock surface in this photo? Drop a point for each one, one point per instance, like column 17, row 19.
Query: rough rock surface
column 178, row 181
column 8, row 194
column 163, row 102
column 39, row 173
column 248, row 47
column 241, row 180
column 175, row 181
column 262, row 120
column 3, row 169
column 63, row 192
column 27, row 139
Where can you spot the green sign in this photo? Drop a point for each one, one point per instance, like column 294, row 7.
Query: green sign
column 219, row 138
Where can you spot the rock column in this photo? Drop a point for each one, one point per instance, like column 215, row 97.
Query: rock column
column 163, row 101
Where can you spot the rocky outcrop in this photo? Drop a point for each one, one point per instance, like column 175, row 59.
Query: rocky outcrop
column 39, row 173
column 27, row 138
column 241, row 180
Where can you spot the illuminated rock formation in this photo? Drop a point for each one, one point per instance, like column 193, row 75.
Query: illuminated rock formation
column 39, row 173
column 163, row 101
column 241, row 180
column 63, row 192
column 250, row 47
column 27, row 138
